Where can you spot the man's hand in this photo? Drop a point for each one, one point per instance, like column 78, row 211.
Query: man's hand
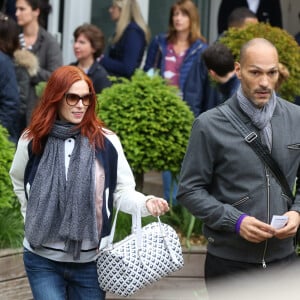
column 290, row 229
column 255, row 231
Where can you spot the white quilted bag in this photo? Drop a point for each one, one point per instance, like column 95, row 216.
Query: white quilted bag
column 148, row 254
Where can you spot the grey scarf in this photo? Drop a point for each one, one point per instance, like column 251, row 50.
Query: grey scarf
column 60, row 209
column 260, row 117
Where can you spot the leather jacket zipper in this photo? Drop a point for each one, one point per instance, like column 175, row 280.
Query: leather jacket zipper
column 264, row 264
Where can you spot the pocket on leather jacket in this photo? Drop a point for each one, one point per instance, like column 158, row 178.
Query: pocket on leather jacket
column 287, row 200
column 241, row 201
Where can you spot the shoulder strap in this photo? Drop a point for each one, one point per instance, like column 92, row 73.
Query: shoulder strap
column 262, row 151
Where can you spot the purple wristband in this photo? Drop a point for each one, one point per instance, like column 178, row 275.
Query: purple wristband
column 239, row 222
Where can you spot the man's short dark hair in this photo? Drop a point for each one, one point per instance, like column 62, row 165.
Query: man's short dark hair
column 239, row 15
column 218, row 58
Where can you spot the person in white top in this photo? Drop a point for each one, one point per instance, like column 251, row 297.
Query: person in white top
column 68, row 173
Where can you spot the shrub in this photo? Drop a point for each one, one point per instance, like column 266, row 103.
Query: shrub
column 11, row 227
column 288, row 51
column 152, row 121
column 7, row 150
column 11, row 224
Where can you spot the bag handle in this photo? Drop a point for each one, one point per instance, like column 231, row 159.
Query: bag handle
column 113, row 227
column 136, row 225
column 137, row 228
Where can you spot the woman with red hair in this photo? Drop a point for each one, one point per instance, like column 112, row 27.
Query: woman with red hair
column 68, row 173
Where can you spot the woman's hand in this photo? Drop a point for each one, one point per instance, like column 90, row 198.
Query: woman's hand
column 157, row 206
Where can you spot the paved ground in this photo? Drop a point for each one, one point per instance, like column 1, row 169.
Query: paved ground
column 171, row 289
column 153, row 184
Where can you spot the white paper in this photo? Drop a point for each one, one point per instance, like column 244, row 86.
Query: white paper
column 279, row 221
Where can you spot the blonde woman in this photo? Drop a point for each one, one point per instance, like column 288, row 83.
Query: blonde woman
column 129, row 41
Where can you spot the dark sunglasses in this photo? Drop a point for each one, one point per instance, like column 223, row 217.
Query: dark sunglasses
column 73, row 99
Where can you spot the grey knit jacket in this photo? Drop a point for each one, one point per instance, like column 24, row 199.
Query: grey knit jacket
column 222, row 178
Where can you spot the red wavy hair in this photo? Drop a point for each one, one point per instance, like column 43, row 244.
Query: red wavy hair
column 46, row 112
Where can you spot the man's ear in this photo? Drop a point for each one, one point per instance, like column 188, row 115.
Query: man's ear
column 237, row 67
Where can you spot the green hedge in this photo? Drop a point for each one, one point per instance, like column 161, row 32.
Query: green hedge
column 11, row 223
column 287, row 47
column 152, row 121
column 7, row 150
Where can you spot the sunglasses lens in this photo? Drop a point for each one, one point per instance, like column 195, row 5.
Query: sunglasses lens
column 86, row 99
column 73, row 99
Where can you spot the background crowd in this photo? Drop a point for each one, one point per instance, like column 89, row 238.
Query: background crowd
column 176, row 53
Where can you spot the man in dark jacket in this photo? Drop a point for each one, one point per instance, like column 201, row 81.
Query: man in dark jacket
column 224, row 183
column 198, row 91
column 220, row 64
column 266, row 11
column 9, row 96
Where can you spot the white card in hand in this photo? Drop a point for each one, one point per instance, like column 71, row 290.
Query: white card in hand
column 279, row 221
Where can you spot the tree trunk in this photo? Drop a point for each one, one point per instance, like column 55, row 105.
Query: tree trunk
column 139, row 180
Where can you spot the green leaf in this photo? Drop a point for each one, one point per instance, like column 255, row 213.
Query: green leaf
column 7, row 150
column 287, row 47
column 11, row 222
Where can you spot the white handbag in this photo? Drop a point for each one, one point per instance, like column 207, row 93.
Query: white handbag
column 148, row 254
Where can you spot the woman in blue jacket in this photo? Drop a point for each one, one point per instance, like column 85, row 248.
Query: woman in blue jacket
column 126, row 51
column 9, row 92
column 173, row 53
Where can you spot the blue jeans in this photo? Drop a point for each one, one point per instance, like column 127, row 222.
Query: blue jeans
column 169, row 183
column 52, row 280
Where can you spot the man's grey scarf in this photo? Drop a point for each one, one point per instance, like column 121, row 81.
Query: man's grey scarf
column 60, row 209
column 260, row 117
